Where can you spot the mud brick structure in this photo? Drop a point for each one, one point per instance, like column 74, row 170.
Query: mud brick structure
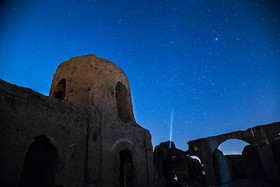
column 86, row 130
column 85, row 134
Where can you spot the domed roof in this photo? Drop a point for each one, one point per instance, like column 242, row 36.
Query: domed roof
column 94, row 81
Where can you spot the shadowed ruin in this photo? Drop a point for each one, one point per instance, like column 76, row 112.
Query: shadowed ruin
column 259, row 159
column 174, row 168
column 203, row 164
column 87, row 131
column 85, row 134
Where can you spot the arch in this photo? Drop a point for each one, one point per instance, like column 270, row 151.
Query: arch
column 122, row 97
column 243, row 166
column 127, row 145
column 224, row 139
column 232, row 150
column 126, row 168
column 60, row 89
column 121, row 141
column 195, row 158
column 40, row 164
column 196, row 170
column 233, row 143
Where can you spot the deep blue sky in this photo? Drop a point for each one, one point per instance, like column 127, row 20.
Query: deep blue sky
column 214, row 63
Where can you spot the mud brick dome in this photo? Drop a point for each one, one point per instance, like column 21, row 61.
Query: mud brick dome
column 94, row 81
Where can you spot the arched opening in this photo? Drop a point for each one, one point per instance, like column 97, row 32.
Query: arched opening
column 122, row 98
column 40, row 164
column 60, row 89
column 275, row 148
column 232, row 147
column 126, row 169
column 228, row 162
column 236, row 161
column 196, row 170
column 195, row 158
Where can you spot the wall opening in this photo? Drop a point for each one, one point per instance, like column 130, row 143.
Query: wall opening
column 60, row 89
column 236, row 160
column 197, row 172
column 126, row 169
column 232, row 147
column 195, row 158
column 40, row 164
column 228, row 162
column 122, row 98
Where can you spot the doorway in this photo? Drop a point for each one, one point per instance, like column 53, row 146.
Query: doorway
column 126, row 169
column 40, row 164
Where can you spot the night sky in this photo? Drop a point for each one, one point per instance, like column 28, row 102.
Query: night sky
column 205, row 66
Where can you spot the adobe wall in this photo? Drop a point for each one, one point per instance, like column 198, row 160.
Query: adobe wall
column 117, row 136
column 88, row 141
column 26, row 114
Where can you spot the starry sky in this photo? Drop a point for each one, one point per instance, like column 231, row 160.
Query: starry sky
column 204, row 67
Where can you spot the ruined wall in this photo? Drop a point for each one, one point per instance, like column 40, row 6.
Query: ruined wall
column 25, row 114
column 263, row 138
column 88, row 141
column 129, row 137
column 174, row 168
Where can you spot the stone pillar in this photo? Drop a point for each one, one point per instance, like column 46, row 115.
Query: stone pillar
column 266, row 156
column 221, row 169
column 268, row 163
